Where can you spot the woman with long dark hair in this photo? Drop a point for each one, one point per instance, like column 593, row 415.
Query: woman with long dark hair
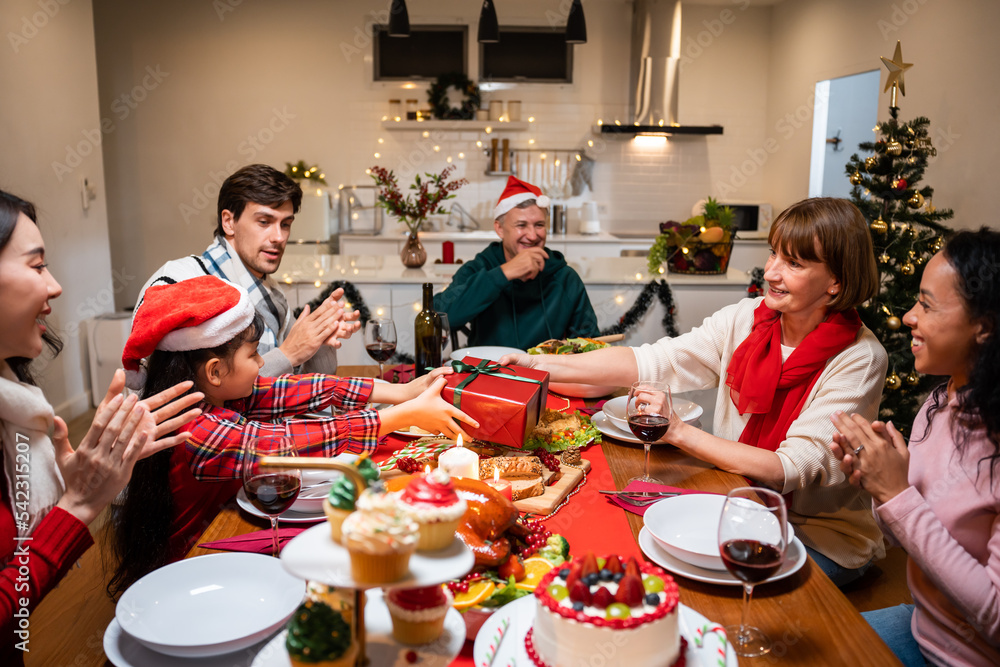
column 940, row 497
column 51, row 491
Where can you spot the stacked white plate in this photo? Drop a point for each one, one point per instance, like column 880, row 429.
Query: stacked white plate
column 202, row 607
column 488, row 352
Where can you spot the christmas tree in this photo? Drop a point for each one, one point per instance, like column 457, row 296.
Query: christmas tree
column 906, row 231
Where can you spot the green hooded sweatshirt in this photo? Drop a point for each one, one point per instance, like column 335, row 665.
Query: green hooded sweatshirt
column 517, row 313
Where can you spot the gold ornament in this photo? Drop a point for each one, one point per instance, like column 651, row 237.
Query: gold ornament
column 856, row 178
column 916, row 201
column 938, row 244
column 912, row 253
column 884, row 258
column 894, row 148
column 912, row 379
column 893, row 323
column 871, row 162
column 897, row 68
column 930, row 206
column 908, row 269
column 900, row 226
column 878, row 226
column 893, row 381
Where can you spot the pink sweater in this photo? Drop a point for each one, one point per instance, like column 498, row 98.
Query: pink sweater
column 948, row 521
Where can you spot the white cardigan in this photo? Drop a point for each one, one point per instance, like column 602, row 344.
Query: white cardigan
column 829, row 514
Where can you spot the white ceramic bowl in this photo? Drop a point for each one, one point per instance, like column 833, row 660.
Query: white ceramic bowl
column 489, row 352
column 578, row 390
column 209, row 605
column 688, row 528
column 615, row 410
column 316, row 485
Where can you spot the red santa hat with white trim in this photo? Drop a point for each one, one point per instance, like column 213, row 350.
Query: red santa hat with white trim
column 516, row 192
column 195, row 314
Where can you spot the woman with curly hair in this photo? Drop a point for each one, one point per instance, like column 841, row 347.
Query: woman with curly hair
column 940, row 497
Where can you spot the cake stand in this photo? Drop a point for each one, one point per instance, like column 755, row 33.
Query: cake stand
column 313, row 555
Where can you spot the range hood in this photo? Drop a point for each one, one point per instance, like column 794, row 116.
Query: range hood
column 653, row 73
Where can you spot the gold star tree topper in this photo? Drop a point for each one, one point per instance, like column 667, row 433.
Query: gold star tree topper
column 897, row 68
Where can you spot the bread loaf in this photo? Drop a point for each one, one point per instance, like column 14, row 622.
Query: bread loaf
column 526, row 488
column 511, row 467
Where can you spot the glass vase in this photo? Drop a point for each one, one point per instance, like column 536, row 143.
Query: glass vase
column 413, row 254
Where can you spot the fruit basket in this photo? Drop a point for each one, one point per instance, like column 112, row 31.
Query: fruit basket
column 700, row 245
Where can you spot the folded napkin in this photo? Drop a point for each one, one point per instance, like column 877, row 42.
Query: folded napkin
column 644, row 487
column 258, row 542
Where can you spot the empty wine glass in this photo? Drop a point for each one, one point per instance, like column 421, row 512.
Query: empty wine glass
column 753, row 536
column 270, row 490
column 648, row 411
column 445, row 332
column 380, row 340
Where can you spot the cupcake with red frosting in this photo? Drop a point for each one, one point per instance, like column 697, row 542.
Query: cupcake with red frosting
column 418, row 613
column 431, row 501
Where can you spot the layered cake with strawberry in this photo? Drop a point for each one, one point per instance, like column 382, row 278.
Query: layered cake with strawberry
column 626, row 612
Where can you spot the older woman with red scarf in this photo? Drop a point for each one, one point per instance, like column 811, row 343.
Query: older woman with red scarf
column 784, row 364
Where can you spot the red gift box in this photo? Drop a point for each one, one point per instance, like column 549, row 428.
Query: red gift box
column 507, row 409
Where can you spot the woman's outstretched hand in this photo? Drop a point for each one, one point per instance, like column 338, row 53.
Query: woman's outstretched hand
column 873, row 455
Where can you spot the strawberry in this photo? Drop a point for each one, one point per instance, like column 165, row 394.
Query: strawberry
column 632, row 567
column 602, row 598
column 614, row 566
column 589, row 564
column 630, row 591
column 574, row 574
column 580, row 592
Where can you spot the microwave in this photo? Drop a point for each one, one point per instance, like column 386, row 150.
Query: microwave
column 752, row 220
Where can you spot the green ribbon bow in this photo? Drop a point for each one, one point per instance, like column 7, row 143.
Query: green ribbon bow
column 484, row 367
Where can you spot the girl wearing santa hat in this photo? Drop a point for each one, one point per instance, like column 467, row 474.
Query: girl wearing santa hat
column 206, row 330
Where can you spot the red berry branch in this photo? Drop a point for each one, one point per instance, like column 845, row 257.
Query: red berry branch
column 430, row 192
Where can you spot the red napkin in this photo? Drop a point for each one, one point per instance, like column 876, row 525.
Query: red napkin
column 646, row 486
column 258, row 542
column 399, row 374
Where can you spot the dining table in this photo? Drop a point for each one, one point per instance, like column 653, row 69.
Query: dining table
column 807, row 617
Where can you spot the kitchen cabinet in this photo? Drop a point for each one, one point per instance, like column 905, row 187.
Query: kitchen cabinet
column 613, row 284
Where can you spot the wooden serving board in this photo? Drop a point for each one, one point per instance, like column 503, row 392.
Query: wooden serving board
column 556, row 493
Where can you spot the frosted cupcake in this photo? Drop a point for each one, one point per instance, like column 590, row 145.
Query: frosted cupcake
column 380, row 538
column 318, row 636
column 340, row 501
column 432, row 502
column 418, row 613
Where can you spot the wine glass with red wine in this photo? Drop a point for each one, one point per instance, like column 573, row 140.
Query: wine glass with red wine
column 753, row 536
column 380, row 340
column 445, row 332
column 648, row 411
column 270, row 490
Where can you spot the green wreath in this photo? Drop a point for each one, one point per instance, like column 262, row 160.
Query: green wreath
column 437, row 95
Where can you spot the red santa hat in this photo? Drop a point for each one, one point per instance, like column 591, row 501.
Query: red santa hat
column 516, row 192
column 193, row 314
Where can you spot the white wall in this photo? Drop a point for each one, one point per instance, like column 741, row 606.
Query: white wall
column 49, row 138
column 953, row 83
column 224, row 75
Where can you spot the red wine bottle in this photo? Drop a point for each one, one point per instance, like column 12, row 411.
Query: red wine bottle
column 273, row 493
column 751, row 561
column 427, row 335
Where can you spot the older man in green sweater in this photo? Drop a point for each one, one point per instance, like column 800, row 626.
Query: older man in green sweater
column 517, row 292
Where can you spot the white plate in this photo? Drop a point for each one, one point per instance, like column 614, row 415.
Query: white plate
column 614, row 409
column 604, row 425
column 795, row 558
column 521, row 615
column 577, row 390
column 314, row 555
column 687, row 527
column 289, row 516
column 382, row 650
column 490, row 352
column 188, row 608
column 124, row 651
column 406, row 432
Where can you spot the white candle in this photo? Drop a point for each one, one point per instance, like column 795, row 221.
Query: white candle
column 459, row 461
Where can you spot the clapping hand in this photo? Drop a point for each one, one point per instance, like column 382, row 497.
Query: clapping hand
column 347, row 323
column 873, row 455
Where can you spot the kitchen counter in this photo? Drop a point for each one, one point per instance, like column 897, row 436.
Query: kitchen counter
column 481, row 235
column 468, row 244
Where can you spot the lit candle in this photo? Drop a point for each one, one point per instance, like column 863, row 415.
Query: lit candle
column 501, row 485
column 459, row 461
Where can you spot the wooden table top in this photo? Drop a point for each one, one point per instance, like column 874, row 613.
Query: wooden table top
column 807, row 617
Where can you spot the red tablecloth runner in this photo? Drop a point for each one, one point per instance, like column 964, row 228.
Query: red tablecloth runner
column 577, row 519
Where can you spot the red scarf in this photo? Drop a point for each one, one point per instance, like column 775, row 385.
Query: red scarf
column 772, row 391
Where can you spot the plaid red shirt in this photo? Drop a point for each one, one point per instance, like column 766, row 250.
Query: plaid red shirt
column 218, row 433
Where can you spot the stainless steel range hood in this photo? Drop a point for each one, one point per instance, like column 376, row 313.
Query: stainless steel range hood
column 654, row 69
